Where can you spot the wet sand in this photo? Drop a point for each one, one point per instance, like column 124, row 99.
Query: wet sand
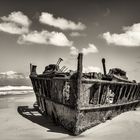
column 20, row 121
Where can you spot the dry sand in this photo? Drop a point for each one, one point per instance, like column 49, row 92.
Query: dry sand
column 19, row 121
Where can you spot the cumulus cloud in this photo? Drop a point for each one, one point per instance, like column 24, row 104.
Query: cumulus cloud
column 91, row 69
column 45, row 37
column 59, row 22
column 77, row 34
column 12, row 28
column 73, row 51
column 17, row 17
column 91, row 49
column 130, row 37
column 15, row 23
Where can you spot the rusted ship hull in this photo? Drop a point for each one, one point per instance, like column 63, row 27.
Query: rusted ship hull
column 78, row 104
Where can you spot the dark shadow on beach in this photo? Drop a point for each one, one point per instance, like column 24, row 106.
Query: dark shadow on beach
column 33, row 115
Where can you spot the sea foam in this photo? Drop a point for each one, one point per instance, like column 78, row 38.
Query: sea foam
column 15, row 90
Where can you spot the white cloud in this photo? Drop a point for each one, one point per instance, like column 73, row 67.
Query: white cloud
column 76, row 34
column 11, row 75
column 15, row 23
column 45, row 37
column 91, row 69
column 17, row 17
column 91, row 49
column 61, row 23
column 130, row 37
column 73, row 51
column 12, row 28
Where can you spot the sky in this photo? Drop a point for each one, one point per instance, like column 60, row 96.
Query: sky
column 41, row 31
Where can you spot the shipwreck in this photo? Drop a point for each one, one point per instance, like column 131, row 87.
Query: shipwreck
column 78, row 100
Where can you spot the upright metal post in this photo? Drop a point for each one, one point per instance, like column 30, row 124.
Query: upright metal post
column 33, row 69
column 79, row 77
column 104, row 67
column 78, row 91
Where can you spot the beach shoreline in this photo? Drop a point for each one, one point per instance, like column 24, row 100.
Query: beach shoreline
column 20, row 121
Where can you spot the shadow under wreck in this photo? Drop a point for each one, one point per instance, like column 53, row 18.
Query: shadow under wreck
column 34, row 115
column 78, row 100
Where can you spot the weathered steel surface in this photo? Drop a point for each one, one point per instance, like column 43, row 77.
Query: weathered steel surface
column 61, row 91
column 78, row 103
column 89, row 117
column 61, row 114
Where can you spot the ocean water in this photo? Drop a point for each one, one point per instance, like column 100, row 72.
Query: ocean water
column 15, row 90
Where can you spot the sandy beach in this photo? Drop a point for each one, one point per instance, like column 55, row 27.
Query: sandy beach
column 20, row 121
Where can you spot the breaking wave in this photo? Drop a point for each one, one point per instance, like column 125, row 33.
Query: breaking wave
column 15, row 90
